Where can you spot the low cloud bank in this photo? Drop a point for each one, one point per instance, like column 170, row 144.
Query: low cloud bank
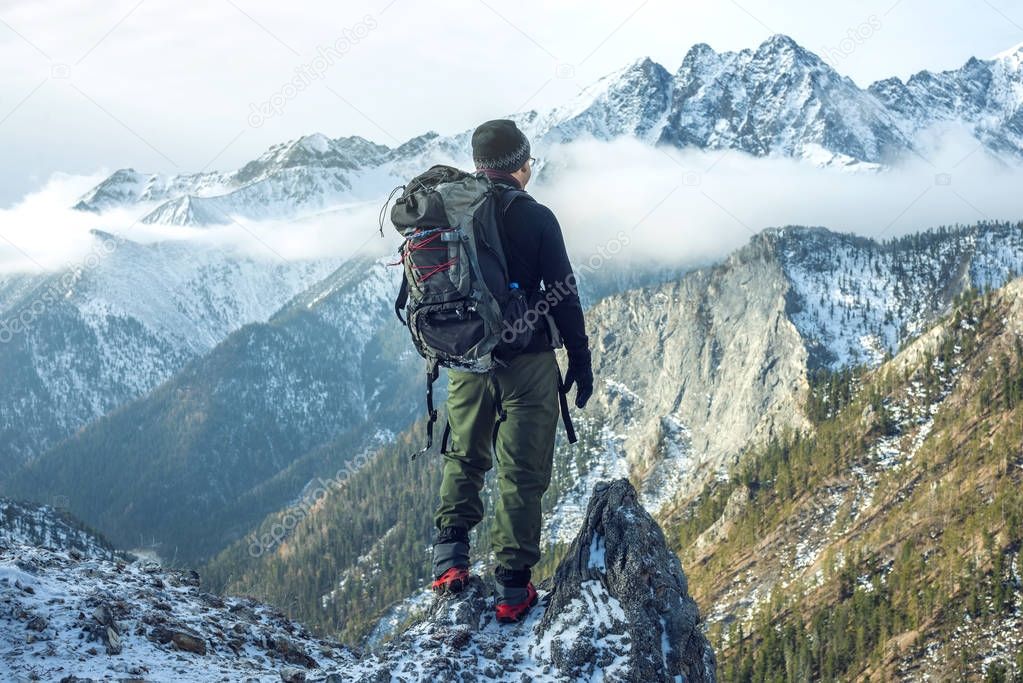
column 677, row 207
column 694, row 207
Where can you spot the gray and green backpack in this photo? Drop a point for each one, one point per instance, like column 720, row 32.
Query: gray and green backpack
column 459, row 304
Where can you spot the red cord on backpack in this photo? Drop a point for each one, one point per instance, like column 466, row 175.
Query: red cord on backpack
column 424, row 245
column 434, row 269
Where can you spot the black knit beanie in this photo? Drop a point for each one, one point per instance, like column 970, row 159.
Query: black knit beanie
column 499, row 145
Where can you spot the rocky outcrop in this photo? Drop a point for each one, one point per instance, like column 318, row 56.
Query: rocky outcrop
column 617, row 609
column 620, row 556
column 69, row 617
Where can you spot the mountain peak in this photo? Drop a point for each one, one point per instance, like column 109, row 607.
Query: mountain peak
column 781, row 40
column 782, row 46
column 1013, row 57
column 317, row 142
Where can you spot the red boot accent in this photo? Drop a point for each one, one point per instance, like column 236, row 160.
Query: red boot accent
column 507, row 614
column 452, row 581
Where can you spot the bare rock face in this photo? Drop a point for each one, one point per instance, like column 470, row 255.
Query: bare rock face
column 620, row 555
column 618, row 609
column 692, row 372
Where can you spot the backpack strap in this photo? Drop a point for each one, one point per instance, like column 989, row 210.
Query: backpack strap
column 509, row 195
column 566, row 418
column 431, row 377
column 502, row 414
column 402, row 299
column 444, row 438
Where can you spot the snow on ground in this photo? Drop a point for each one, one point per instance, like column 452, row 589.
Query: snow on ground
column 605, row 461
column 105, row 620
column 409, row 608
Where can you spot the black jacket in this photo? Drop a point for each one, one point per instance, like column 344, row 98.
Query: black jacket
column 538, row 261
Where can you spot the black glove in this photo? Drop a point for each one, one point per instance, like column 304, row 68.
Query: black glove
column 580, row 373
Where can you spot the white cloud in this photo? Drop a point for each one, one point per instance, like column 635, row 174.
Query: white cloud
column 691, row 207
column 678, row 207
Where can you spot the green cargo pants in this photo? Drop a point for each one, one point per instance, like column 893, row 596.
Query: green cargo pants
column 525, row 450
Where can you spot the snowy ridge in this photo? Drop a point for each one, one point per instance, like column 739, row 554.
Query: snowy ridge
column 64, row 615
column 855, row 300
column 778, row 99
column 104, row 620
column 45, row 527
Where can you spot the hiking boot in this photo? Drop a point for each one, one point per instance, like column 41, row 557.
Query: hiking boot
column 509, row 613
column 452, row 581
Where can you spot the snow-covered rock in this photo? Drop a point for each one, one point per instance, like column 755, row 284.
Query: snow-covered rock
column 65, row 617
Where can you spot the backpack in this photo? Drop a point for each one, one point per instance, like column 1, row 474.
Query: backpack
column 461, row 309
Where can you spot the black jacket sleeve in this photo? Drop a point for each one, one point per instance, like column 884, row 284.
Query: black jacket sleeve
column 561, row 287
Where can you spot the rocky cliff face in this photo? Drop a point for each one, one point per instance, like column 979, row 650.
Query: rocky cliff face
column 618, row 610
column 694, row 370
column 898, row 518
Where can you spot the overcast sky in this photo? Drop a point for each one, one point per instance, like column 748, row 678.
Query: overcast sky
column 172, row 86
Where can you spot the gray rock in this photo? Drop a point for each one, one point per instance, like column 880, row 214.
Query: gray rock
column 621, row 548
column 113, row 641
column 290, row 674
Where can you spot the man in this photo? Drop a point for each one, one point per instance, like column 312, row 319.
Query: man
column 528, row 383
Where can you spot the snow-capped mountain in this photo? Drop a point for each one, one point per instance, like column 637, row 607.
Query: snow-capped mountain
column 779, row 99
column 97, row 335
column 296, row 178
column 631, row 102
column 128, row 186
column 985, row 96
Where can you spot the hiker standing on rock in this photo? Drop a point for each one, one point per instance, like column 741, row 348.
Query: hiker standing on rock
column 504, row 394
